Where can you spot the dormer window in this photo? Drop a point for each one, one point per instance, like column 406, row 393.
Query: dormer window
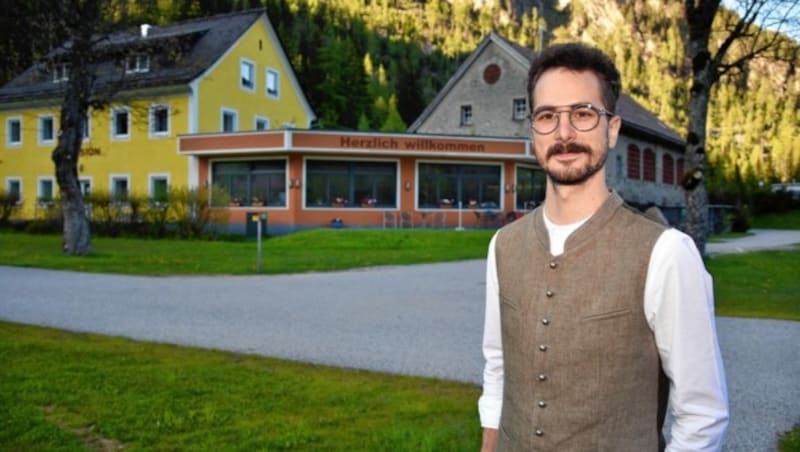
column 137, row 63
column 61, row 72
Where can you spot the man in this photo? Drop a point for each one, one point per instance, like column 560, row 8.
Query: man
column 594, row 313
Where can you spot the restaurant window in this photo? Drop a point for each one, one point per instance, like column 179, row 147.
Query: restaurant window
column 338, row 183
column 530, row 187
column 444, row 185
column 252, row 183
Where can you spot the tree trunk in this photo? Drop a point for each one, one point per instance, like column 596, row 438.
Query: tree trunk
column 77, row 236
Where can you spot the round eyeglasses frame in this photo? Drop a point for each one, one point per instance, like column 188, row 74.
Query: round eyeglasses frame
column 577, row 117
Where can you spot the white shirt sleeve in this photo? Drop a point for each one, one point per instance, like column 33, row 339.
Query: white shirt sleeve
column 491, row 401
column 679, row 306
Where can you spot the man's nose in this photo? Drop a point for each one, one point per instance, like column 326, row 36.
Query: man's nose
column 564, row 131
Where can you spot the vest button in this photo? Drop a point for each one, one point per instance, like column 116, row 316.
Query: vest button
column 543, row 348
column 549, row 293
column 553, row 264
column 545, row 322
column 542, row 404
column 539, row 432
column 542, row 377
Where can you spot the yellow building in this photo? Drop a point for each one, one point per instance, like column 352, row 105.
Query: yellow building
column 223, row 73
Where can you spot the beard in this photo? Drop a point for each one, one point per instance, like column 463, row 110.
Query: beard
column 570, row 175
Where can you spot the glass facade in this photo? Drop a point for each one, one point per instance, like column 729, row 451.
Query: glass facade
column 444, row 185
column 531, row 184
column 338, row 183
column 252, row 183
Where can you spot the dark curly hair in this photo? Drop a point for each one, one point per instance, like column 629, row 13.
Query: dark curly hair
column 578, row 57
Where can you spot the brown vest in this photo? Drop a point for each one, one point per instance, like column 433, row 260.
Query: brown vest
column 582, row 372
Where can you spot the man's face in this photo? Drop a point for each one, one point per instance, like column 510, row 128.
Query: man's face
column 570, row 156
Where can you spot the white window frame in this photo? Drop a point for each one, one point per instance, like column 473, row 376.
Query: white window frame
column 118, row 136
column 9, row 143
column 520, row 108
column 231, row 111
column 263, row 119
column 465, row 116
column 277, row 77
column 152, row 177
column 115, row 177
column 86, row 133
column 18, row 180
column 152, row 123
column 41, row 180
column 61, row 72
column 251, row 66
column 40, row 129
column 85, row 184
column 141, row 64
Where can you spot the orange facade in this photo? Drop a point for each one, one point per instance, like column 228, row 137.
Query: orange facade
column 405, row 152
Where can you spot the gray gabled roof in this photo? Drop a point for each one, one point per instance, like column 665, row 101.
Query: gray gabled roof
column 200, row 42
column 636, row 120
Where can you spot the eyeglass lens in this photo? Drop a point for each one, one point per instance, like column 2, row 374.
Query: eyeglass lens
column 582, row 117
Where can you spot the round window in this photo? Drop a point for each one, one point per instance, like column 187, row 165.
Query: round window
column 491, row 74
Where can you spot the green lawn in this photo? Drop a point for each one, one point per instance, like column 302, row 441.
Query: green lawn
column 65, row 391
column 315, row 250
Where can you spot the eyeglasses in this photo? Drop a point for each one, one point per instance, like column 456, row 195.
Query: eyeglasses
column 582, row 117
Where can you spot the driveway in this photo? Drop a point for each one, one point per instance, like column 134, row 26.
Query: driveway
column 417, row 320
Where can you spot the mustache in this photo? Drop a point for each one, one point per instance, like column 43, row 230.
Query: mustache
column 561, row 148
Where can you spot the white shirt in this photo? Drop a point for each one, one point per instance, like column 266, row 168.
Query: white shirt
column 679, row 307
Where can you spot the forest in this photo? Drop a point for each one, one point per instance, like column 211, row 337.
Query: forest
column 375, row 64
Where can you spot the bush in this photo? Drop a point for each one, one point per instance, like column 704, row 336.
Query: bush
column 9, row 203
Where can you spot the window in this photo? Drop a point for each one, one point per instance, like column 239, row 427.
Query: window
column 45, row 195
column 444, row 185
column 137, row 63
column 86, row 127
column 14, row 189
column 634, row 162
column 530, row 187
column 159, row 120
column 119, row 188
column 679, row 170
column 466, row 115
column 667, row 169
column 247, row 74
column 273, row 83
column 13, row 132
column 230, row 120
column 340, row 183
column 120, row 124
column 252, row 183
column 86, row 186
column 262, row 123
column 649, row 165
column 46, row 129
column 159, row 188
column 520, row 109
column 60, row 72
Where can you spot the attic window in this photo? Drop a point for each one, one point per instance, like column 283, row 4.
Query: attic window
column 491, row 74
column 137, row 63
column 61, row 72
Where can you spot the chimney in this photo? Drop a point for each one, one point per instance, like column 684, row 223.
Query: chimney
column 144, row 29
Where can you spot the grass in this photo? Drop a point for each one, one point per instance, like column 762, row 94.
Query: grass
column 315, row 250
column 784, row 220
column 67, row 391
column 762, row 284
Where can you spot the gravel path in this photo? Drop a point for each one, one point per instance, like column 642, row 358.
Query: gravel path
column 417, row 320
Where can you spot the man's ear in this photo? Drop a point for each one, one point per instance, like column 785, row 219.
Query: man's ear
column 614, row 124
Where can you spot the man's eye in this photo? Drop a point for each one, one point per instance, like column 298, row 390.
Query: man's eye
column 545, row 116
column 583, row 113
